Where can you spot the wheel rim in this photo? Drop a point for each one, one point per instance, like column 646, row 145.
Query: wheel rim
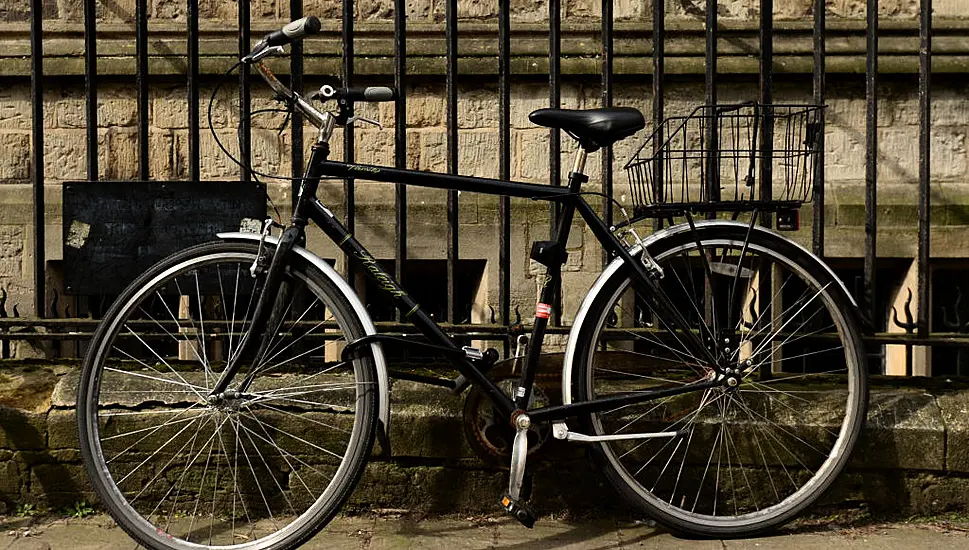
column 252, row 469
column 748, row 456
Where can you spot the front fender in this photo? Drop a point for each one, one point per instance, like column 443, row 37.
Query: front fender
column 383, row 380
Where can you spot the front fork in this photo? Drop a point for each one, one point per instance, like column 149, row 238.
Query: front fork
column 265, row 319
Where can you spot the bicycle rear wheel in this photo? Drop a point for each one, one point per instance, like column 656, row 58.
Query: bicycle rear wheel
column 264, row 467
column 746, row 458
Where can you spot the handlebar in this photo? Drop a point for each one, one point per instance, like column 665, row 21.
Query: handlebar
column 292, row 31
column 272, row 44
column 363, row 93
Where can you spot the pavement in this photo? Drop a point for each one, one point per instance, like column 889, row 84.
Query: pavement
column 374, row 532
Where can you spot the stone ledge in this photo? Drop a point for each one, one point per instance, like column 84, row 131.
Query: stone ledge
column 913, row 456
column 793, row 48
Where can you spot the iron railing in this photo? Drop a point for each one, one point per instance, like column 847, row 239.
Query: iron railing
column 918, row 329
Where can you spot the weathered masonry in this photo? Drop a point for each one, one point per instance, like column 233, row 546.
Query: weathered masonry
column 96, row 90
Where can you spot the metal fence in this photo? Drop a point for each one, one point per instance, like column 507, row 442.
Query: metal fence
column 918, row 327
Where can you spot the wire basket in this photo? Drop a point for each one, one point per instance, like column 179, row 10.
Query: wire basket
column 714, row 159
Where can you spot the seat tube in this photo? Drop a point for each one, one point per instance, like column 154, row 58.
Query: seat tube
column 552, row 255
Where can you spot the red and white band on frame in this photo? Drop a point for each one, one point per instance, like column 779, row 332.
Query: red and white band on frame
column 543, row 311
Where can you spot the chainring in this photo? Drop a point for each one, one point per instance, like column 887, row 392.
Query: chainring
column 492, row 439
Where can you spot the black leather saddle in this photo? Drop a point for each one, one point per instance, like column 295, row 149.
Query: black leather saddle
column 593, row 128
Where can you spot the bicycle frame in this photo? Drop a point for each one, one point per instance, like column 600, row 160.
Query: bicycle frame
column 309, row 208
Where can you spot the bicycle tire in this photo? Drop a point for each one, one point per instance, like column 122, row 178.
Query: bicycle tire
column 265, row 469
column 791, row 420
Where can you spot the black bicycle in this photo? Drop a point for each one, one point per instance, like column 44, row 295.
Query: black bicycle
column 232, row 394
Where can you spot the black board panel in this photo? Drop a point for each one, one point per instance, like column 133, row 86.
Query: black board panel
column 113, row 231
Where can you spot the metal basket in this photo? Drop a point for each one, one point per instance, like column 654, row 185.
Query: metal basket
column 713, row 160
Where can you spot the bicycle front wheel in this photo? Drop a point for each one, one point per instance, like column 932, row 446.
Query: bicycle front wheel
column 266, row 465
column 745, row 457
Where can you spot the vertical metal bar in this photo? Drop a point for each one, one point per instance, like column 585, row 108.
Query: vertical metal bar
column 817, row 233
column 555, row 134
column 451, row 36
column 245, row 127
column 607, row 68
column 349, row 137
column 767, row 279
column 141, row 82
column 554, row 96
column 400, row 134
column 37, row 152
column 504, row 160
column 712, row 147
column 871, row 160
column 194, row 126
column 659, row 75
column 766, row 99
column 925, row 150
column 91, row 87
column 296, row 83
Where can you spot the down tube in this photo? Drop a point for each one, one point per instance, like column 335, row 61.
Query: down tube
column 410, row 309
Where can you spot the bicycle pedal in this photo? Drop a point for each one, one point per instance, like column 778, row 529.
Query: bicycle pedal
column 519, row 510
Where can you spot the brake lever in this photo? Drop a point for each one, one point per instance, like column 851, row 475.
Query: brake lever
column 376, row 123
column 263, row 53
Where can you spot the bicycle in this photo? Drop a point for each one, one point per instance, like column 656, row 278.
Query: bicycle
column 232, row 394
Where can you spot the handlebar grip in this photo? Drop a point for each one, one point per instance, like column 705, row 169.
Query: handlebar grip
column 293, row 30
column 369, row 93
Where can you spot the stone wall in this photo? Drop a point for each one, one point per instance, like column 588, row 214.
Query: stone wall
column 478, row 149
column 522, row 11
column 912, row 458
column 65, row 147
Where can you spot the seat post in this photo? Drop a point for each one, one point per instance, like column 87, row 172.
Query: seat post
column 578, row 165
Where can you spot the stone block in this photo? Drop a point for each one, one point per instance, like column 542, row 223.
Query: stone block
column 954, row 408
column 62, row 430
column 69, row 110
column 15, row 107
column 727, row 9
column 11, row 482
column 855, row 9
column 324, row 9
column 64, row 155
column 21, row 430
column 433, row 155
column 478, row 107
column 478, row 153
column 266, row 153
column 426, row 422
column 117, row 107
column 64, row 395
column 12, row 12
column 904, row 430
column 792, row 9
column 11, row 241
column 376, row 9
column 377, row 147
column 425, row 106
column 16, row 156
column 949, row 8
column 899, row 154
column 58, row 485
column 621, row 10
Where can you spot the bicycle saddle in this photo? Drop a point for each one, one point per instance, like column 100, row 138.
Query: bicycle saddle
column 593, row 128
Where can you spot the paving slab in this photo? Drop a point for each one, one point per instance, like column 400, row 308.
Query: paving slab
column 367, row 532
column 875, row 538
column 436, row 534
column 551, row 534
